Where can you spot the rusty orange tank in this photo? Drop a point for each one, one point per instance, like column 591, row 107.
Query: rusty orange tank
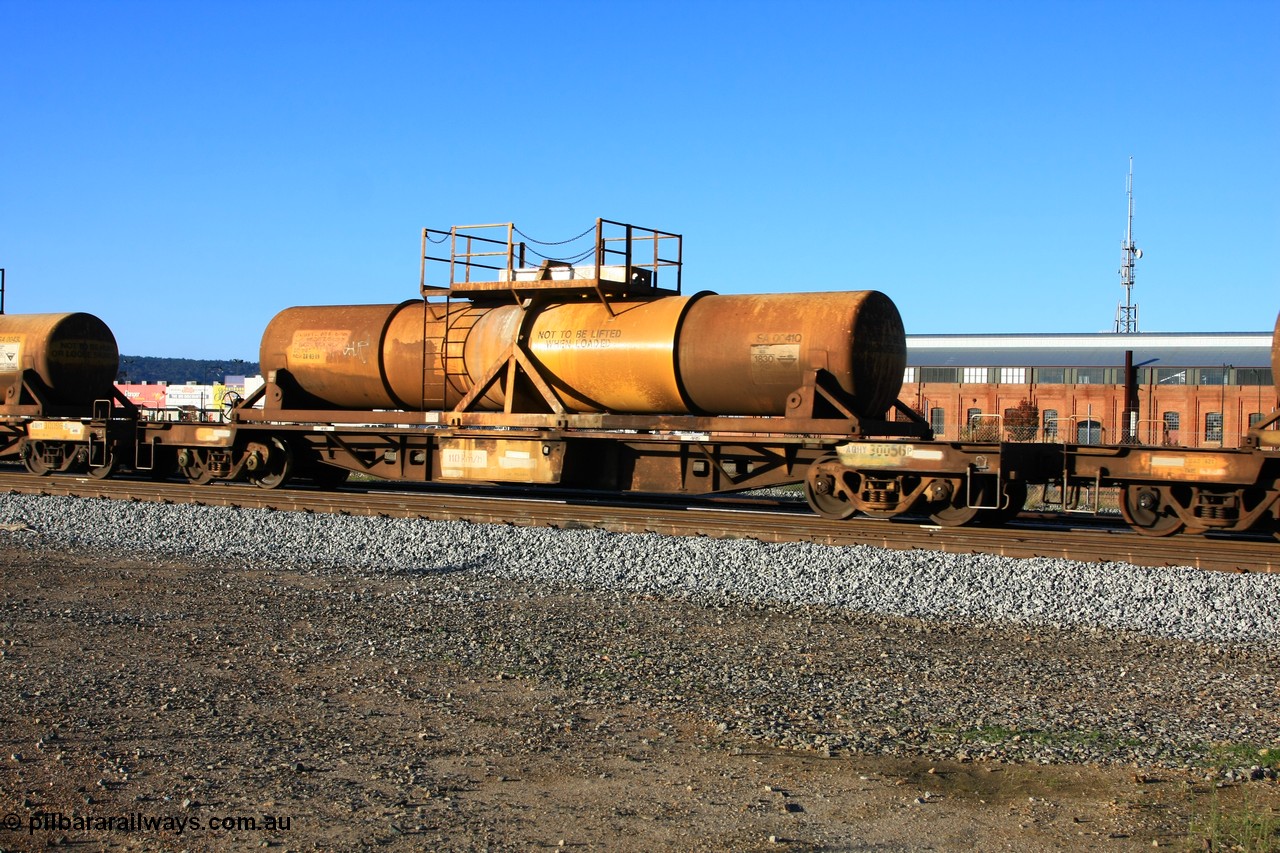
column 73, row 355
column 701, row 354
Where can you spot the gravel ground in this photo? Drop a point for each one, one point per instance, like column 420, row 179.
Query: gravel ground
column 467, row 686
column 1181, row 603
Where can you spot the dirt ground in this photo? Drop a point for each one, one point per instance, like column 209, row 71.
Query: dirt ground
column 153, row 705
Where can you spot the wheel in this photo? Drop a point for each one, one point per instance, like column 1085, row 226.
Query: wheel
column 1148, row 511
column 1015, row 492
column 279, row 465
column 955, row 516
column 823, row 489
column 958, row 513
column 194, row 467
column 33, row 459
column 105, row 470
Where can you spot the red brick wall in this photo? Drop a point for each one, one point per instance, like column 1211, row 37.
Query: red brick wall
column 1104, row 404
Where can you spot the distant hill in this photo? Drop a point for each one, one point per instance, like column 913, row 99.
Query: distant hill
column 201, row 371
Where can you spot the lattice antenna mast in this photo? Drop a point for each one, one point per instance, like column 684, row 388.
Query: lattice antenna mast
column 1127, row 311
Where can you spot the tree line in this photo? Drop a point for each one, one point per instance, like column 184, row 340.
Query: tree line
column 199, row 371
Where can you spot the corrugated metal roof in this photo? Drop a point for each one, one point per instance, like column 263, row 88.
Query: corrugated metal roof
column 1238, row 349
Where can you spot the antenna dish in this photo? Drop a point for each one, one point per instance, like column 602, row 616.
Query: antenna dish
column 1137, row 253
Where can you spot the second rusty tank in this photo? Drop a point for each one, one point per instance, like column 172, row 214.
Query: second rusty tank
column 701, row 354
column 72, row 359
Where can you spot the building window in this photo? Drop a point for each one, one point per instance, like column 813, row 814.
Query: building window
column 1255, row 418
column 975, row 375
column 938, row 374
column 1050, row 424
column 1091, row 375
column 1051, row 375
column 1171, row 376
column 1013, row 375
column 1253, row 376
column 909, row 376
column 1213, row 426
column 1212, row 376
column 1172, row 423
column 980, row 426
column 937, row 420
column 1089, row 432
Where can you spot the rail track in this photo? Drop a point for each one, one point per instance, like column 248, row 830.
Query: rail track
column 718, row 519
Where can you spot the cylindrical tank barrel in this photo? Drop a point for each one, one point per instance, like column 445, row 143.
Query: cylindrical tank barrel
column 596, row 361
column 372, row 356
column 744, row 355
column 337, row 353
column 707, row 354
column 73, row 355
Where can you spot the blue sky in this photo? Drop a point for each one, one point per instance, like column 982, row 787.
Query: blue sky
column 185, row 170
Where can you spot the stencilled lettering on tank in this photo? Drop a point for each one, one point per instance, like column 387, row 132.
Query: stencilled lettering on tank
column 578, row 338
column 779, row 338
column 85, row 351
column 320, row 346
column 463, row 457
column 597, row 338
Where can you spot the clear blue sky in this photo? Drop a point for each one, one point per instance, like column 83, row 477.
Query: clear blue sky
column 187, row 169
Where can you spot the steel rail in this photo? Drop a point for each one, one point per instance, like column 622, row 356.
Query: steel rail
column 1023, row 539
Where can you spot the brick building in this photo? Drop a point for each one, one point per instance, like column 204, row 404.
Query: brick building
column 1194, row 390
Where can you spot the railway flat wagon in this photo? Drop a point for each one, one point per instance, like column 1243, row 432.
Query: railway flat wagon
column 599, row 372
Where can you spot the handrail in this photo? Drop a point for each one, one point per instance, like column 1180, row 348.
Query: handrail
column 647, row 249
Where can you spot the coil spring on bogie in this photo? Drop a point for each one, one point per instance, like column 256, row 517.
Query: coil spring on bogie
column 219, row 463
column 880, row 497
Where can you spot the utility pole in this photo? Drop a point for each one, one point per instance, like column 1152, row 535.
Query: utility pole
column 1127, row 311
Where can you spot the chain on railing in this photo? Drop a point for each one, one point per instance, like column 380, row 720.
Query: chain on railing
column 477, row 257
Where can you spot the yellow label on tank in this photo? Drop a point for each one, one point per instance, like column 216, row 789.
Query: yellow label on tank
column 326, row 346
